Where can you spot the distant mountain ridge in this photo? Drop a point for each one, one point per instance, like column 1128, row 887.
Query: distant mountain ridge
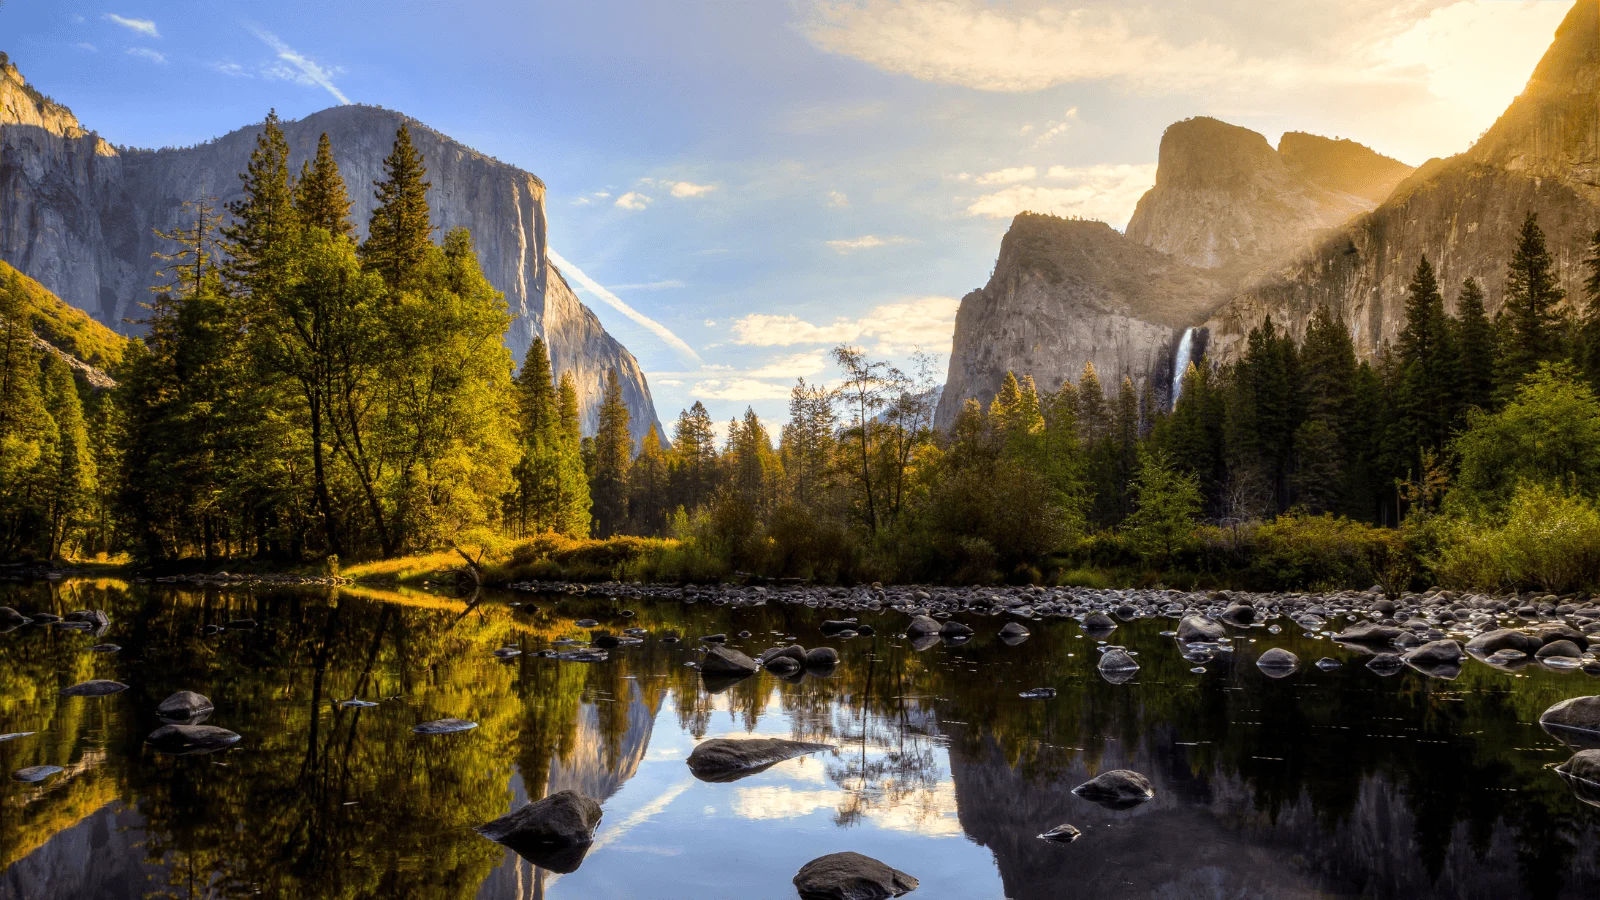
column 65, row 331
column 1235, row 231
column 78, row 215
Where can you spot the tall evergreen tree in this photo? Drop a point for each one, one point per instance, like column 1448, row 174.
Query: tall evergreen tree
column 1094, row 416
column 613, row 454
column 264, row 220
column 649, row 486
column 1529, row 321
column 1475, row 351
column 574, row 502
column 1325, row 446
column 71, row 478
column 400, row 233
column 695, row 440
column 1588, row 349
column 1264, row 409
column 320, row 197
column 808, row 445
column 1427, row 360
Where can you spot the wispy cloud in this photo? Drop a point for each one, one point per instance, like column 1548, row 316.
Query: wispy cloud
column 838, row 199
column 143, row 26
column 633, row 200
column 795, row 365
column 146, row 53
column 1057, row 129
column 232, row 70
column 1013, row 175
column 683, row 189
column 85, row 45
column 865, row 242
column 297, row 67
column 666, row 284
column 594, row 287
column 739, row 389
column 922, row 323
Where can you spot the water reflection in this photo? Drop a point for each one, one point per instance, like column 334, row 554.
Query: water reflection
column 1318, row 784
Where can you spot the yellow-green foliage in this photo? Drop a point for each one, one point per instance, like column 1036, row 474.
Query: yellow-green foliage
column 68, row 328
column 1546, row 538
column 1329, row 552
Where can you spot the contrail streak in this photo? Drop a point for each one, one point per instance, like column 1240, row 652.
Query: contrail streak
column 597, row 289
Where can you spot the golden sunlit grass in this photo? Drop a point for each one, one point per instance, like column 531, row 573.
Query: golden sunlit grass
column 544, row 557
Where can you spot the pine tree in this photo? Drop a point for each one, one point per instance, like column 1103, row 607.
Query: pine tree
column 1529, row 321
column 1427, row 360
column 71, row 477
column 574, row 503
column 695, row 441
column 1194, row 435
column 1325, row 449
column 320, row 197
column 1588, row 349
column 649, row 485
column 28, row 436
column 1475, row 352
column 399, row 234
column 1094, row 418
column 613, row 454
column 807, row 445
column 264, row 221
column 1264, row 410
column 1166, row 502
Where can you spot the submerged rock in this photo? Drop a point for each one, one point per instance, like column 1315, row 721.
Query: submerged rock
column 1117, row 660
column 584, row 655
column 184, row 706
column 183, row 740
column 14, row 736
column 444, row 726
column 954, row 629
column 1116, row 789
column 1368, row 633
column 1014, row 631
column 1061, row 834
column 723, row 760
column 1582, row 775
column 822, row 658
column 99, row 687
column 9, row 616
column 1327, row 664
column 1386, row 663
column 851, row 876
column 36, row 774
column 1043, row 693
column 553, row 833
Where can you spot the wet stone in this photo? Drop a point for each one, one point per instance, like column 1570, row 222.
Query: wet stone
column 445, row 726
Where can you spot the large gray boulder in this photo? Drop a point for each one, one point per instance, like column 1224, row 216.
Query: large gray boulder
column 1504, row 639
column 553, row 833
column 851, row 876
column 720, row 660
column 1582, row 775
column 183, row 740
column 1098, row 621
column 1201, row 628
column 1577, row 717
column 99, row 687
column 1116, row 789
column 1368, row 633
column 922, row 625
column 1117, row 660
column 1278, row 662
column 1434, row 652
column 184, row 706
column 723, row 760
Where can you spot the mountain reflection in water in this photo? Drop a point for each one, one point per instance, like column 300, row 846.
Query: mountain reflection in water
column 1322, row 784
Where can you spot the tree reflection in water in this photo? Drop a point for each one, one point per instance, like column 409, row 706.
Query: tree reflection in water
column 1337, row 783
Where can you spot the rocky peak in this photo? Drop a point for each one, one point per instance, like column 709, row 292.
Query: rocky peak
column 22, row 104
column 1224, row 198
column 1553, row 128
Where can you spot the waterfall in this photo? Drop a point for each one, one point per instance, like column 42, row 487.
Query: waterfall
column 1181, row 363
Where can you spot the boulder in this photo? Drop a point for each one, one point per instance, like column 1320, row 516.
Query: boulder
column 834, row 626
column 1278, row 662
column 954, row 629
column 851, row 876
column 782, row 665
column 1434, row 652
column 444, row 726
column 1368, row 633
column 184, row 706
column 720, row 660
column 922, row 626
column 822, row 658
column 94, row 618
column 1549, row 634
column 1061, row 834
column 793, row 652
column 1014, row 631
column 1559, row 648
column 36, row 774
column 1116, row 789
column 1194, row 629
column 182, row 740
column 99, row 687
column 553, row 833
column 1575, row 714
column 1386, row 663
column 1504, row 639
column 9, row 616
column 1117, row 660
column 1098, row 621
column 722, row 760
column 1238, row 614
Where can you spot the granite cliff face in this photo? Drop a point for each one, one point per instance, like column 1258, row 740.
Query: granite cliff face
column 1225, row 199
column 1235, row 231
column 1543, row 155
column 78, row 215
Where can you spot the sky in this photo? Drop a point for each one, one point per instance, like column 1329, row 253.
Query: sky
column 736, row 186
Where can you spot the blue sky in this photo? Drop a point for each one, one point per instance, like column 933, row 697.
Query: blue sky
column 766, row 179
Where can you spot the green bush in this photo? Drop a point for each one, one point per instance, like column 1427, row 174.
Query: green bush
column 1299, row 552
column 1546, row 538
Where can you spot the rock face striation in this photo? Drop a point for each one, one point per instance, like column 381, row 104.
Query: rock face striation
column 77, row 214
column 1235, row 231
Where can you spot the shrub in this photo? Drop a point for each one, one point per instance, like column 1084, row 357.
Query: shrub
column 1326, row 552
column 1546, row 538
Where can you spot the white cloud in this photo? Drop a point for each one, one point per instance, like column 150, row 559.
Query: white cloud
column 594, row 287
column 1013, row 175
column 922, row 323
column 795, row 365
column 1105, row 192
column 146, row 53
column 837, row 199
column 633, row 200
column 1057, row 129
column 299, row 68
column 738, row 389
column 865, row 242
column 142, row 26
column 232, row 70
column 682, row 189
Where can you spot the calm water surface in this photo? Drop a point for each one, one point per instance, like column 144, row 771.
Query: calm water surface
column 1323, row 784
